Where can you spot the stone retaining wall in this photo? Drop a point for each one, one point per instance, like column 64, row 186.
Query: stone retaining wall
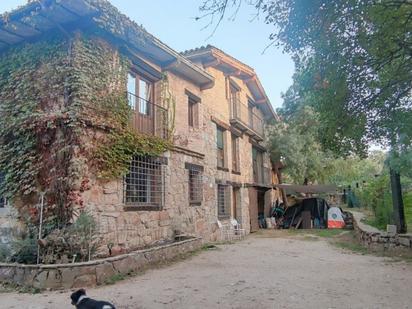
column 375, row 239
column 77, row 275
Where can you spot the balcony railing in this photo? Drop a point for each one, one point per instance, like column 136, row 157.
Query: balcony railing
column 147, row 117
column 241, row 113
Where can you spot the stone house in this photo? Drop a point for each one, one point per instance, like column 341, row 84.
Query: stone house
column 211, row 107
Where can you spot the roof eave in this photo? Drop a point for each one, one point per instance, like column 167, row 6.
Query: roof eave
column 258, row 91
column 78, row 9
column 181, row 64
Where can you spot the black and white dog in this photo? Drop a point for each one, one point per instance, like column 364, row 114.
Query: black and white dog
column 81, row 301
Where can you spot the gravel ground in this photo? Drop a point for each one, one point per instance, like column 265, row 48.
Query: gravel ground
column 267, row 270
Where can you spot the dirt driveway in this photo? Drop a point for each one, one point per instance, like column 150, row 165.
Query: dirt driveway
column 262, row 271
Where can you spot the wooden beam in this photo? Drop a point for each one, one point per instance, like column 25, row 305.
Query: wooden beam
column 59, row 26
column 207, row 86
column 69, row 11
column 13, row 33
column 4, row 42
column 30, row 26
column 235, row 73
column 213, row 63
column 8, row 37
column 172, row 65
column 251, row 79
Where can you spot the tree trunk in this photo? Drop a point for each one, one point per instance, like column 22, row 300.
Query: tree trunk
column 278, row 166
column 397, row 200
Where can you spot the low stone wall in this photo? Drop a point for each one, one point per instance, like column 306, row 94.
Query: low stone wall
column 375, row 239
column 97, row 272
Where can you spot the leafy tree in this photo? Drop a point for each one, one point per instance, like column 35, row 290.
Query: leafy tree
column 353, row 169
column 354, row 66
column 294, row 142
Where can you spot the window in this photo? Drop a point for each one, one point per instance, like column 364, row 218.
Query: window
column 131, row 91
column 193, row 109
column 140, row 93
column 257, row 157
column 235, row 154
column 195, row 183
column 223, row 211
column 220, row 147
column 144, row 184
column 251, row 113
column 3, row 201
column 234, row 96
column 192, row 112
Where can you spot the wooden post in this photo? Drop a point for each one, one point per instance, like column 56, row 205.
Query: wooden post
column 277, row 167
column 397, row 201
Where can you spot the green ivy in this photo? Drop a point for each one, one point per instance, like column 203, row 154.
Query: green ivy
column 115, row 157
column 63, row 105
column 32, row 78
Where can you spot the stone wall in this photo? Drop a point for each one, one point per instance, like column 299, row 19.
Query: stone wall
column 97, row 272
column 133, row 228
column 375, row 239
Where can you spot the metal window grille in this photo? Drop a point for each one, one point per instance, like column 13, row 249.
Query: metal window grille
column 3, row 201
column 223, row 210
column 144, row 184
column 195, row 184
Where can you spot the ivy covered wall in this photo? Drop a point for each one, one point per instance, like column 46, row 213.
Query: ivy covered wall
column 64, row 116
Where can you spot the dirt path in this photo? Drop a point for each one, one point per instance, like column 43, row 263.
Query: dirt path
column 259, row 272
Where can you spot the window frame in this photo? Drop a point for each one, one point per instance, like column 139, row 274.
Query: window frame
column 193, row 103
column 235, row 154
column 145, row 180
column 234, row 99
column 191, row 112
column 251, row 112
column 137, row 97
column 220, row 151
column 257, row 165
column 223, row 189
column 195, row 174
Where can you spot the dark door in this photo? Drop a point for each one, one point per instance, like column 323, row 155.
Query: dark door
column 253, row 210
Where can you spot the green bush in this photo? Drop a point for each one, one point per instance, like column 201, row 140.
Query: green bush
column 376, row 196
column 5, row 253
column 77, row 242
column 408, row 208
column 24, row 251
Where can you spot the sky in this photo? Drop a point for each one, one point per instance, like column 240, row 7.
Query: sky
column 245, row 38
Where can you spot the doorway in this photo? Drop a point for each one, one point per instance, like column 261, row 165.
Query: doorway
column 236, row 203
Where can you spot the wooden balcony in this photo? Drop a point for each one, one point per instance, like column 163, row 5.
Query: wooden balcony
column 246, row 120
column 148, row 118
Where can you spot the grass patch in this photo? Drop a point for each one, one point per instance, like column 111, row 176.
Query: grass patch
column 371, row 220
column 207, row 247
column 351, row 246
column 8, row 287
column 349, row 242
column 324, row 233
column 311, row 237
column 115, row 278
